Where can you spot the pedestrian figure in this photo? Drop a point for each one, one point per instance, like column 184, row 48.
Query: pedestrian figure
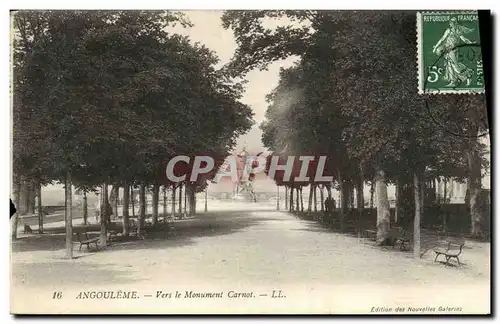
column 329, row 204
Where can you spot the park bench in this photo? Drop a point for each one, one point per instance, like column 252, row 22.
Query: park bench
column 134, row 228
column 168, row 219
column 370, row 234
column 112, row 231
column 170, row 228
column 400, row 237
column 84, row 239
column 453, row 250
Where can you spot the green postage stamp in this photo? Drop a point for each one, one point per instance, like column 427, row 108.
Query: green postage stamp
column 449, row 53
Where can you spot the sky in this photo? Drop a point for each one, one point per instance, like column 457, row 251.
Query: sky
column 208, row 30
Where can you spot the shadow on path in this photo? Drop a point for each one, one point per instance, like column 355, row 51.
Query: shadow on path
column 186, row 231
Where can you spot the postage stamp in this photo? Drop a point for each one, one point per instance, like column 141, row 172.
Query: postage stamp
column 449, row 53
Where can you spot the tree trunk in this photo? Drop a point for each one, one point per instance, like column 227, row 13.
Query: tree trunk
column 439, row 190
column 142, row 207
column 185, row 199
column 383, row 211
column 315, row 199
column 372, row 191
column 40, row 207
column 68, row 216
column 174, row 199
column 286, row 198
column 22, row 207
column 291, row 198
column 14, row 225
column 297, row 207
column 17, row 200
column 277, row 198
column 191, row 194
column 206, row 199
column 180, row 199
column 104, row 215
column 164, row 204
column 422, row 195
column 191, row 198
column 301, row 200
column 474, row 181
column 360, row 201
column 27, row 196
column 113, row 200
column 343, row 202
column 351, row 195
column 444, row 202
column 30, row 198
column 132, row 200
column 85, row 207
column 322, row 197
column 445, row 191
column 33, row 197
column 310, row 198
column 188, row 199
column 397, row 207
column 156, row 202
column 417, row 184
column 114, row 205
column 126, row 200
column 345, row 194
column 17, row 192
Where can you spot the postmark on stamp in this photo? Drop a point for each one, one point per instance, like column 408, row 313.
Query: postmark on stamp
column 449, row 53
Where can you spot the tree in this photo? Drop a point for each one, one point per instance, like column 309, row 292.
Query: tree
column 114, row 80
column 379, row 126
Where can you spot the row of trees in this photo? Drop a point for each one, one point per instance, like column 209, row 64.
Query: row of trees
column 105, row 97
column 352, row 96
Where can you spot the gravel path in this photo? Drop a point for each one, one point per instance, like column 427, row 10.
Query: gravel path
column 255, row 252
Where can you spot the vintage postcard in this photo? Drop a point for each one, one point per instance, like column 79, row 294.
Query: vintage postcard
column 249, row 162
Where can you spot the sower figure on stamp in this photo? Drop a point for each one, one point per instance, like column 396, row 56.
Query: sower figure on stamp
column 455, row 72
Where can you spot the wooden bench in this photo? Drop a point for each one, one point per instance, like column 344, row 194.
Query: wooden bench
column 397, row 235
column 112, row 229
column 453, row 250
column 400, row 237
column 370, row 234
column 134, row 228
column 84, row 239
column 169, row 219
